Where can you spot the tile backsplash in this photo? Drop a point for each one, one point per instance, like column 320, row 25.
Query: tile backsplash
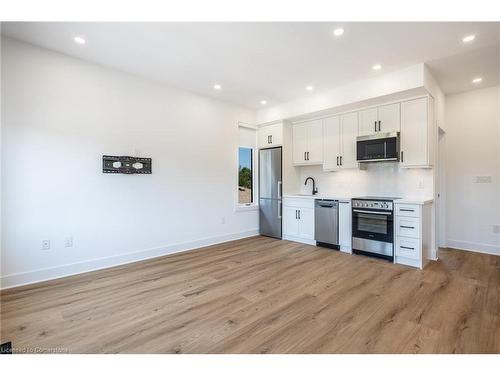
column 383, row 179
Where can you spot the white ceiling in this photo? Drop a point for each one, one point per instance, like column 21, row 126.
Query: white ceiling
column 275, row 61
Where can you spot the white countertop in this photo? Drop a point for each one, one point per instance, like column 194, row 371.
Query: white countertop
column 421, row 201
column 318, row 196
column 409, row 200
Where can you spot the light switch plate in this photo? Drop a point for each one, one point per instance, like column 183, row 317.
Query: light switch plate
column 68, row 242
column 483, row 179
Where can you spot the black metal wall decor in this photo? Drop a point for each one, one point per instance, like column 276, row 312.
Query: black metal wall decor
column 126, row 165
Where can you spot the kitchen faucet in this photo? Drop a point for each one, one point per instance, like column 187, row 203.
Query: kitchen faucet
column 315, row 189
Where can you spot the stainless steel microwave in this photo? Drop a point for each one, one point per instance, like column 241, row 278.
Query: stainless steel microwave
column 377, row 147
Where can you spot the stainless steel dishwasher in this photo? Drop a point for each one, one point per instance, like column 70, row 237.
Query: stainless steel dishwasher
column 326, row 219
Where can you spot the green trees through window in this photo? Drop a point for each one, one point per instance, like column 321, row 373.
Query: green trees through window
column 245, row 176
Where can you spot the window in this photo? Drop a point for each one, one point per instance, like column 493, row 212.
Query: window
column 245, row 176
column 246, row 191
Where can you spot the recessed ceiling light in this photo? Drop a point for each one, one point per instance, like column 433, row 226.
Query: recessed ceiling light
column 477, row 80
column 338, row 32
column 377, row 67
column 468, row 38
column 79, row 40
column 309, row 88
column 217, row 86
column 263, row 102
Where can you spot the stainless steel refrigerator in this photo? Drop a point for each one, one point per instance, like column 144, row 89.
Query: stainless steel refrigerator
column 270, row 192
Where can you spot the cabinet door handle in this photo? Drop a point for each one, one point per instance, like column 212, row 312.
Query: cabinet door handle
column 375, row 125
column 406, row 210
column 406, row 227
column 378, row 125
column 337, row 161
column 270, row 139
column 402, row 157
column 340, row 159
column 305, row 156
column 408, row 248
column 296, row 214
column 299, row 214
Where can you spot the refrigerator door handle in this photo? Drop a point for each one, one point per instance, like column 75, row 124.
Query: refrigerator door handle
column 280, row 189
column 280, row 209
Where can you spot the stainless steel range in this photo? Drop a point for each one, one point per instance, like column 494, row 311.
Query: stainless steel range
column 373, row 226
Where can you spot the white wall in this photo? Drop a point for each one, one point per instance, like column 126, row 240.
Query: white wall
column 473, row 149
column 402, row 80
column 59, row 116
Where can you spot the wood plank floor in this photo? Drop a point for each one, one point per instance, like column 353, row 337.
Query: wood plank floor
column 260, row 295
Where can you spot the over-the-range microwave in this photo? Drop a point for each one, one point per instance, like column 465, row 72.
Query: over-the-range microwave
column 377, row 147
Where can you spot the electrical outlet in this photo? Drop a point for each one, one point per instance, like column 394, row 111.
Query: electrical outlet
column 496, row 229
column 46, row 245
column 68, row 242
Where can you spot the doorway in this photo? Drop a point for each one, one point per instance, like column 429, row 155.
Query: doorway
column 441, row 190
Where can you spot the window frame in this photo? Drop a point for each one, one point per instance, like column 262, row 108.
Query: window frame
column 255, row 197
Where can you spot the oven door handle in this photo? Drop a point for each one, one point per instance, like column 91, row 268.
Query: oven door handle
column 373, row 212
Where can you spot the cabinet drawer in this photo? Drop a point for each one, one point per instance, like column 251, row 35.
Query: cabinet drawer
column 410, row 210
column 408, row 226
column 299, row 202
column 408, row 247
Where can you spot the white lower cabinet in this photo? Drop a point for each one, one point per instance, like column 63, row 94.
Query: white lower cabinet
column 298, row 220
column 345, row 226
column 412, row 228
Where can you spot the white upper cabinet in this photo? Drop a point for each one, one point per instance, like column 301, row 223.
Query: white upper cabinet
column 368, row 121
column 315, row 142
column 299, row 139
column 308, row 142
column 383, row 119
column 390, row 118
column 348, row 132
column 340, row 142
column 415, row 134
column 270, row 135
column 332, row 143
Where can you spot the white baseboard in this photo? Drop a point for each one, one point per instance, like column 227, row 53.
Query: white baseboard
column 474, row 246
column 301, row 240
column 24, row 278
